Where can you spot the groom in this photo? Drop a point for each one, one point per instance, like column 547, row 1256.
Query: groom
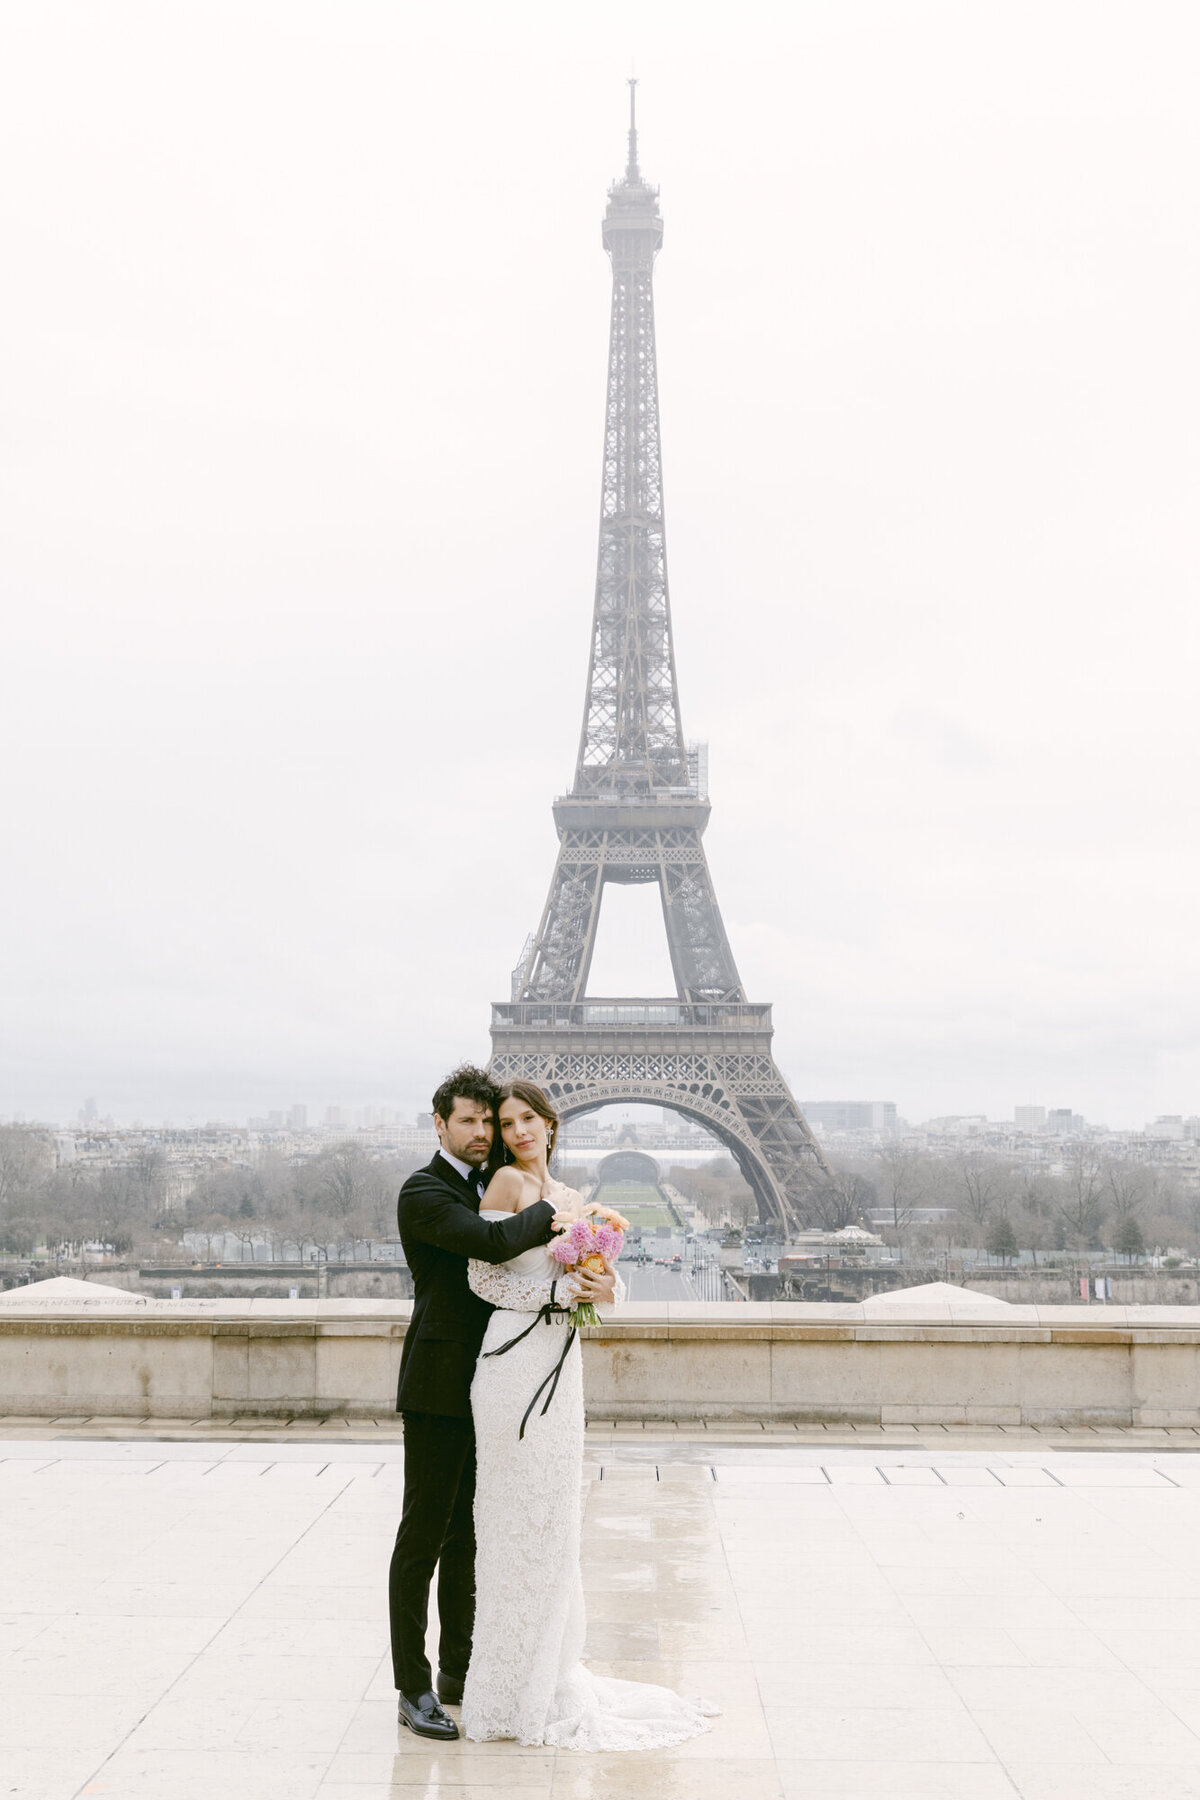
column 440, row 1229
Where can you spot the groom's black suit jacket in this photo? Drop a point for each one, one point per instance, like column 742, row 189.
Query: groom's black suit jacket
column 440, row 1228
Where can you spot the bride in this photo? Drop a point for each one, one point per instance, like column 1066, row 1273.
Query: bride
column 526, row 1678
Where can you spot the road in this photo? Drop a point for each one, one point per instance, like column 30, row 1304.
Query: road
column 646, row 1282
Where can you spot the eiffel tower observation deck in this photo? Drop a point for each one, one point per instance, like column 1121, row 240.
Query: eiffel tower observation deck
column 636, row 812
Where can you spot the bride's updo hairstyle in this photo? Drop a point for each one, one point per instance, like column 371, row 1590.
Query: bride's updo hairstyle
column 533, row 1096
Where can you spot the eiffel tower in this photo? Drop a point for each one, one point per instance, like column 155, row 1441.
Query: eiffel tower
column 636, row 813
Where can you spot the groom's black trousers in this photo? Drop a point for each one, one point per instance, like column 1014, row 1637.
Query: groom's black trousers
column 437, row 1529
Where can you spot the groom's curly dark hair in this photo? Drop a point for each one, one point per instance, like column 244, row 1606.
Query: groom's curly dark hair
column 465, row 1083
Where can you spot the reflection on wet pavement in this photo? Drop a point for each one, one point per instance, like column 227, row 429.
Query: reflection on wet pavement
column 198, row 1619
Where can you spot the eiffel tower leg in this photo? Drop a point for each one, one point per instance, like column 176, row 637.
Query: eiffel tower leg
column 786, row 1144
column 700, row 953
column 754, row 1114
column 566, row 938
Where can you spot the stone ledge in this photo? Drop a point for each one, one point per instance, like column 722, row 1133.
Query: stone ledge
column 775, row 1321
column 767, row 1439
column 1114, row 1367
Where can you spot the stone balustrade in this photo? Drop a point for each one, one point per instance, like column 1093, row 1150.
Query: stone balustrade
column 971, row 1363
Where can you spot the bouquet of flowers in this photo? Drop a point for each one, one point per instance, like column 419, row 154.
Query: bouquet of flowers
column 589, row 1244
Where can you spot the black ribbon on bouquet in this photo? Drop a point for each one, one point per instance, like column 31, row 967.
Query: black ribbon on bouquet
column 546, row 1312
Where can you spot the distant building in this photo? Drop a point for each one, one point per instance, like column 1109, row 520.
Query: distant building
column 1062, row 1122
column 1029, row 1118
column 959, row 1125
column 808, row 1247
column 850, row 1115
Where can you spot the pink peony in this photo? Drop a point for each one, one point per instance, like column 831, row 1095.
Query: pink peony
column 582, row 1240
column 609, row 1243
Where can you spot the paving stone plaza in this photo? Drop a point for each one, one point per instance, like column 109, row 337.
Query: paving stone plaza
column 193, row 1610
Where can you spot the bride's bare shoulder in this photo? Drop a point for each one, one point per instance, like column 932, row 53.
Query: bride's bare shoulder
column 505, row 1191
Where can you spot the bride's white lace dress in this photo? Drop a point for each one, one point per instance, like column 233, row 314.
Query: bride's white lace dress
column 527, row 1679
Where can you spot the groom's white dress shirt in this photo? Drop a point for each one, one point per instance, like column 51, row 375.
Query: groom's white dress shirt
column 465, row 1170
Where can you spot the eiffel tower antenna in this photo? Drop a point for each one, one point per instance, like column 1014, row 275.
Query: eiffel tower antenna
column 636, row 812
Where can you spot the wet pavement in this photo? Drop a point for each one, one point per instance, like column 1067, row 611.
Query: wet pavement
column 913, row 1617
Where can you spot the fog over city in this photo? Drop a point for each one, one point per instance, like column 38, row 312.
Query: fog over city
column 303, row 334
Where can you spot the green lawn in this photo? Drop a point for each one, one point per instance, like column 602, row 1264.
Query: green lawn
column 644, row 1206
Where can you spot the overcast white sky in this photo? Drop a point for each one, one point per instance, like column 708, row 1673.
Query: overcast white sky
column 302, row 329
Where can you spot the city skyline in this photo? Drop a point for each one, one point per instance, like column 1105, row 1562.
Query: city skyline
column 829, row 1117
column 271, row 500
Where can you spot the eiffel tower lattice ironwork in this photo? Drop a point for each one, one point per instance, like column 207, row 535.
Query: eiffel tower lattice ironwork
column 636, row 812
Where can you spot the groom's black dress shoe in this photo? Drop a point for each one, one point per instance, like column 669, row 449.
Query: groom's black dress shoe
column 450, row 1689
column 425, row 1716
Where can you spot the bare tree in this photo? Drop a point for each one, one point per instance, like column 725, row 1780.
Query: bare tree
column 117, row 1210
column 150, row 1175
column 902, row 1174
column 1082, row 1196
column 842, row 1200
column 983, row 1185
column 1127, row 1186
column 1034, row 1198
column 19, row 1234
column 341, row 1178
column 26, row 1158
column 719, row 1190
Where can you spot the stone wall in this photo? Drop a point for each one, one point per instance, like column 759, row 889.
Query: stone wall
column 219, row 1359
column 1131, row 1287
column 257, row 1281
column 1024, row 1286
column 274, row 1281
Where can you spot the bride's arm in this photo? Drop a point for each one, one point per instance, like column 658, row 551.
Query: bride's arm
column 620, row 1292
column 517, row 1293
column 498, row 1285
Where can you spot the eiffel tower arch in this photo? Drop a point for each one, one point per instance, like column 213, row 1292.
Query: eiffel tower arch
column 636, row 813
